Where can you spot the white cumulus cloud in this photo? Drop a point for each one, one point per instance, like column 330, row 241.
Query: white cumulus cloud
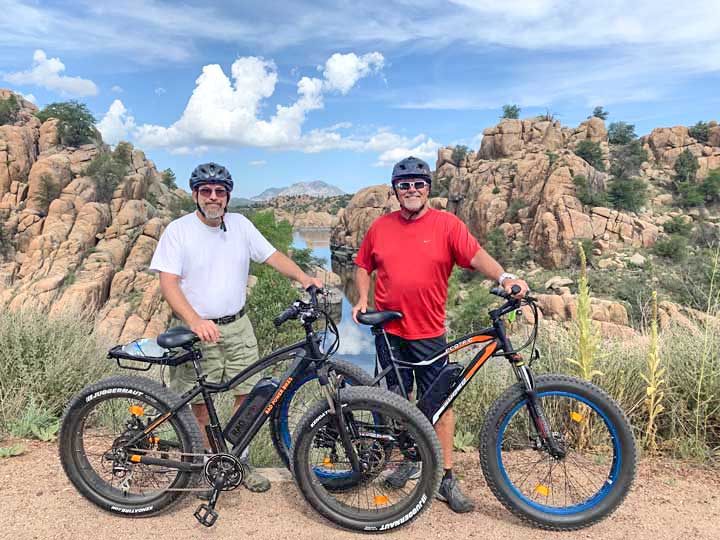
column 160, row 91
column 46, row 72
column 342, row 71
column 117, row 89
column 224, row 111
column 117, row 124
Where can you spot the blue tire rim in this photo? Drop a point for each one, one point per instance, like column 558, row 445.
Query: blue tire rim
column 591, row 501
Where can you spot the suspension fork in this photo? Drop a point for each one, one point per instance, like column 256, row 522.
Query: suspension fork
column 336, row 410
column 524, row 375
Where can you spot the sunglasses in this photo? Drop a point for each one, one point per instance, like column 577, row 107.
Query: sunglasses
column 417, row 184
column 208, row 191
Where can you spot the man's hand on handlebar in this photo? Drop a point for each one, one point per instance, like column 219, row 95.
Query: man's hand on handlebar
column 508, row 286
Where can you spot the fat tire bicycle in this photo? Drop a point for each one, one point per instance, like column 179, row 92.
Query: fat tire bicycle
column 555, row 450
column 133, row 447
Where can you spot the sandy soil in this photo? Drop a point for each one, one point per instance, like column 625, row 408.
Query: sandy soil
column 670, row 500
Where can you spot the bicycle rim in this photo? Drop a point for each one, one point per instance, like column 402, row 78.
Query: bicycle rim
column 105, row 462
column 569, row 485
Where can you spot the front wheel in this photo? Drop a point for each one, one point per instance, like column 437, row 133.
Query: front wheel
column 95, row 453
column 589, row 477
column 391, row 438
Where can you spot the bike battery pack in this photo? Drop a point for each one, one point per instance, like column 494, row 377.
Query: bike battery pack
column 254, row 403
column 437, row 392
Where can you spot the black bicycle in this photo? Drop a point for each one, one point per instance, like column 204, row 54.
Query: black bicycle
column 556, row 451
column 134, row 448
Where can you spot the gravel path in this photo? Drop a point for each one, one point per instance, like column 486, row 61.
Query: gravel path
column 670, row 500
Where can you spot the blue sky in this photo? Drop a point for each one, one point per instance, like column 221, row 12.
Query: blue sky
column 282, row 92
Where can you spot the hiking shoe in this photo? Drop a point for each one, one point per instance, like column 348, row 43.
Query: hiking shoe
column 400, row 476
column 253, row 480
column 450, row 493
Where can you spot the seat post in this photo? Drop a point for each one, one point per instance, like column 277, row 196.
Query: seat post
column 379, row 330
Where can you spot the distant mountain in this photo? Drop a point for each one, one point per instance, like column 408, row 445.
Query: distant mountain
column 312, row 189
column 241, row 201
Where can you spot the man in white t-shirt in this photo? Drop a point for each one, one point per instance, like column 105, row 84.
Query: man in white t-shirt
column 203, row 259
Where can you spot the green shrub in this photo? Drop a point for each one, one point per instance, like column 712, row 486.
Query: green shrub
column 627, row 193
column 588, row 194
column 459, row 153
column 179, row 206
column 75, row 122
column 106, row 171
column 710, row 187
column 626, row 159
column 495, row 190
column 686, row 167
column 674, row 247
column 44, row 362
column 472, row 313
column 123, row 153
column 700, row 132
column 48, row 191
column 278, row 233
column 677, row 225
column 306, row 260
column 591, row 152
column 621, row 133
column 8, row 110
column 515, row 206
column 169, row 179
column 5, row 240
column 511, row 111
column 496, row 245
column 552, row 157
column 599, row 112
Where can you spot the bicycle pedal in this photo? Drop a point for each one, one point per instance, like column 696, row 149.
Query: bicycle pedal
column 206, row 515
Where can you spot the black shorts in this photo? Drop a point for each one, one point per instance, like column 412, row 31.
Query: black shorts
column 413, row 351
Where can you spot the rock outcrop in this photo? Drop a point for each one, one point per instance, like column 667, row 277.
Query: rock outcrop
column 70, row 251
column 520, row 181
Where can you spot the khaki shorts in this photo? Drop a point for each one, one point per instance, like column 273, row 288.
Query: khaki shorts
column 236, row 350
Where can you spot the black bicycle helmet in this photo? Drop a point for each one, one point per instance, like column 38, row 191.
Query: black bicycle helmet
column 411, row 167
column 210, row 173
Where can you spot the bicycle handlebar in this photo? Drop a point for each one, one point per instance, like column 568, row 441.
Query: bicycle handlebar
column 298, row 306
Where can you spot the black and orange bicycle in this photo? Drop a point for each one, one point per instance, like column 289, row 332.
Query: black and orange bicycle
column 557, row 451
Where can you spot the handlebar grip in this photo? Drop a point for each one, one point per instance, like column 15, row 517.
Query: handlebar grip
column 497, row 291
column 313, row 291
column 289, row 313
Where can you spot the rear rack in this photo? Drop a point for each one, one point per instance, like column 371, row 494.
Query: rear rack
column 168, row 359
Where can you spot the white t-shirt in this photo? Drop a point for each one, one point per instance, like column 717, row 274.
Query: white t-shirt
column 213, row 264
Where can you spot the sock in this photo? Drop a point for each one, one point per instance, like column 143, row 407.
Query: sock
column 448, row 474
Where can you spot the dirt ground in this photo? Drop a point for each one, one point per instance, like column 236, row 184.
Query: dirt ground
column 670, row 500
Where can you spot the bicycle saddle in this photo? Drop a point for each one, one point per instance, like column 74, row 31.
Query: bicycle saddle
column 178, row 336
column 378, row 318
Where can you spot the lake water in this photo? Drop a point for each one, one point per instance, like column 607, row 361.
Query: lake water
column 356, row 341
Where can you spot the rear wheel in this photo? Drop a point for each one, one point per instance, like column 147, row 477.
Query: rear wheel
column 387, row 433
column 595, row 468
column 96, row 428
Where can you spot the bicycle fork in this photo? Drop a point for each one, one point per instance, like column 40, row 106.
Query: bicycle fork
column 535, row 408
column 340, row 424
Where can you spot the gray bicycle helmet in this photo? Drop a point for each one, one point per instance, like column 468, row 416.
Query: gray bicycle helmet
column 210, row 173
column 411, row 167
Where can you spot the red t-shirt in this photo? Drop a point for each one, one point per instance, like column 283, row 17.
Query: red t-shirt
column 413, row 260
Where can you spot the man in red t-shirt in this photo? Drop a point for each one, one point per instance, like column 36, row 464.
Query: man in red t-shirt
column 413, row 251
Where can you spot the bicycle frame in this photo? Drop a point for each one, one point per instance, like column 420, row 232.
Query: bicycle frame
column 305, row 352
column 497, row 344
